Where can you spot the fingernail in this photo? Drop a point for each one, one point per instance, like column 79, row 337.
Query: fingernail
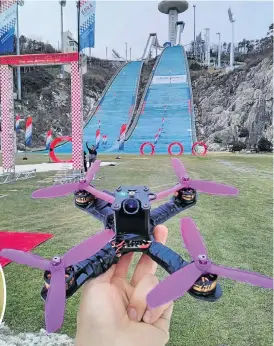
column 132, row 314
column 147, row 316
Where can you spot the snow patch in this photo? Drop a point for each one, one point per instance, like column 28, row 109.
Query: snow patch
column 244, row 169
column 9, row 338
column 47, row 167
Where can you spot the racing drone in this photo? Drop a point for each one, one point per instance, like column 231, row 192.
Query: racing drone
column 129, row 222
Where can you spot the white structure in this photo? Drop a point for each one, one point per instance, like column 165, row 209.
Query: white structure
column 180, row 29
column 219, row 49
column 232, row 21
column 172, row 8
column 207, row 47
column 70, row 45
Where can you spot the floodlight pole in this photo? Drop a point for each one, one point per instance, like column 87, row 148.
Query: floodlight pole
column 232, row 21
column 19, row 89
column 194, row 42
column 62, row 4
column 232, row 46
column 219, row 50
column 126, row 50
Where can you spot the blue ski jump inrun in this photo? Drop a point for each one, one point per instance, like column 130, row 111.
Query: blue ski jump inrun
column 113, row 111
column 167, row 114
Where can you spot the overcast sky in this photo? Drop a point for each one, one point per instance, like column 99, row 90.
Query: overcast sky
column 118, row 22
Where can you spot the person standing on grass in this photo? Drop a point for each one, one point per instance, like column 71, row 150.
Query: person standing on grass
column 85, row 161
column 92, row 154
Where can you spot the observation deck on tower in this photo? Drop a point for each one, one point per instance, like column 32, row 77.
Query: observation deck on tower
column 172, row 8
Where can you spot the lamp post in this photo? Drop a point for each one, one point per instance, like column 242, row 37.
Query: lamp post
column 194, row 42
column 219, row 50
column 232, row 21
column 126, row 50
column 19, row 89
column 106, row 53
column 62, row 4
column 130, row 54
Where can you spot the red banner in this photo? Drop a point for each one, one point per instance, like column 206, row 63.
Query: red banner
column 49, row 133
column 28, row 121
column 39, row 59
column 5, row 5
column 123, row 129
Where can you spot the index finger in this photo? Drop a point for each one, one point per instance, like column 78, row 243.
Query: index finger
column 146, row 265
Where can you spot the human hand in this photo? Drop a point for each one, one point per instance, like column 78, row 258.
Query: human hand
column 113, row 312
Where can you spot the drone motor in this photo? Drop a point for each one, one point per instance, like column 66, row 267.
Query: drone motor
column 70, row 282
column 83, row 198
column 186, row 195
column 205, row 285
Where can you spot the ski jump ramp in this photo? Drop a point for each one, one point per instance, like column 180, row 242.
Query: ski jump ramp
column 166, row 121
column 113, row 110
column 167, row 115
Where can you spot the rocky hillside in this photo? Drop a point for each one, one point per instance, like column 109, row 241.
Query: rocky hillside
column 229, row 107
column 235, row 106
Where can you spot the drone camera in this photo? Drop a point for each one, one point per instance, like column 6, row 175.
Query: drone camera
column 131, row 206
column 132, row 211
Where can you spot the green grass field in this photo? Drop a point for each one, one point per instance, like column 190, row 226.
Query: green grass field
column 238, row 232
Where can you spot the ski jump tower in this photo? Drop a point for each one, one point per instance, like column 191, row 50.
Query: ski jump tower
column 172, row 8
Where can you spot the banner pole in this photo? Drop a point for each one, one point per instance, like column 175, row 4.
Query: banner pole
column 78, row 24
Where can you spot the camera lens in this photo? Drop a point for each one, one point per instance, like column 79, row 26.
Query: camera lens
column 131, row 206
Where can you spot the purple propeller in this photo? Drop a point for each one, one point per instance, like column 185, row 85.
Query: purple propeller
column 210, row 187
column 66, row 189
column 56, row 297
column 178, row 283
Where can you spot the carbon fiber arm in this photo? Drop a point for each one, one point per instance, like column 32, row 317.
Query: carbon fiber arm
column 92, row 267
column 101, row 211
column 105, row 258
column 165, row 257
column 166, row 211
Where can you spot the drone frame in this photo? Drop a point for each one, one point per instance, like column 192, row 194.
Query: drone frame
column 97, row 254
